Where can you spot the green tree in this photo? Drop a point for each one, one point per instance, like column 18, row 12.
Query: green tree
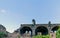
column 2, row 35
column 58, row 33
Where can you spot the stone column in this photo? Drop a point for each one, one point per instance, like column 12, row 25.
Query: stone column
column 33, row 31
column 33, row 26
column 49, row 27
column 49, row 30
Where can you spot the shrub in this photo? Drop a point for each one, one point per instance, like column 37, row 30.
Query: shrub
column 38, row 36
column 41, row 36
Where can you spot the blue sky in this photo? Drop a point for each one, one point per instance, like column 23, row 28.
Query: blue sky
column 16, row 12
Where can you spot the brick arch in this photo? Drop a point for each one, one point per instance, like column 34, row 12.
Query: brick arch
column 24, row 29
column 25, row 26
column 55, row 28
column 41, row 29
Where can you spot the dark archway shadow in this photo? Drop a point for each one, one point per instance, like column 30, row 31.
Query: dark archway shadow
column 42, row 29
column 24, row 29
column 55, row 28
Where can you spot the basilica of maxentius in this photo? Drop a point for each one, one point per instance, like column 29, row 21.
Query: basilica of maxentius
column 35, row 29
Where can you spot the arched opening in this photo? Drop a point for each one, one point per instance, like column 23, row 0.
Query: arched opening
column 26, row 30
column 55, row 28
column 43, row 30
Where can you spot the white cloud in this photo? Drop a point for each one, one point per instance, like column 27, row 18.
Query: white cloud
column 3, row 11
